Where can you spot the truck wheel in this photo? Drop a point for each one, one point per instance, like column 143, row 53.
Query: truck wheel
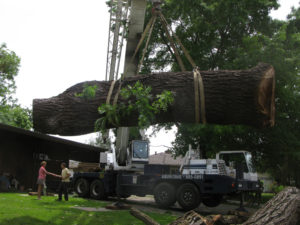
column 164, row 195
column 188, row 196
column 212, row 201
column 97, row 190
column 82, row 187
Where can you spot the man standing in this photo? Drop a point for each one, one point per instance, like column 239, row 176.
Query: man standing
column 65, row 180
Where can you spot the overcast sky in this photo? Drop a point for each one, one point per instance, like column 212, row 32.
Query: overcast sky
column 64, row 42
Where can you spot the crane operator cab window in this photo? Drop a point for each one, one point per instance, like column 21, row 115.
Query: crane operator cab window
column 140, row 150
column 233, row 159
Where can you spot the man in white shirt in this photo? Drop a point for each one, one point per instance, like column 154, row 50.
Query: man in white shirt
column 65, row 180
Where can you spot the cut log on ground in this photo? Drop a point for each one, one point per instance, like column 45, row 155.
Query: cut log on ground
column 190, row 217
column 231, row 97
column 283, row 209
column 195, row 218
column 143, row 217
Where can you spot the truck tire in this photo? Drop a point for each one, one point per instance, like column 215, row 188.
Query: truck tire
column 164, row 194
column 97, row 190
column 82, row 187
column 212, row 201
column 188, row 196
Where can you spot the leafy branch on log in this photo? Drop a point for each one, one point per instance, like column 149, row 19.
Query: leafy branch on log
column 139, row 99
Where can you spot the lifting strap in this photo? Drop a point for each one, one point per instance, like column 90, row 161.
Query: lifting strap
column 111, row 88
column 200, row 114
column 199, row 96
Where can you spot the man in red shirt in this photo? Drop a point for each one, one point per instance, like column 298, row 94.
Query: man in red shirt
column 41, row 182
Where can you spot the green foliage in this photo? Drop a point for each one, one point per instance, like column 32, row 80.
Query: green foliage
column 275, row 188
column 232, row 34
column 139, row 101
column 88, row 91
column 210, row 30
column 16, row 116
column 9, row 67
column 10, row 112
column 111, row 115
column 19, row 209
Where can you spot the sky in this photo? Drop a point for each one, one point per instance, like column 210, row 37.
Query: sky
column 64, row 42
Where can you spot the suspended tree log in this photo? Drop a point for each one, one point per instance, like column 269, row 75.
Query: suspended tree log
column 231, row 97
column 283, row 209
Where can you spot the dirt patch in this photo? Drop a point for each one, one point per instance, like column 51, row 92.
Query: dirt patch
column 24, row 195
column 148, row 204
column 91, row 209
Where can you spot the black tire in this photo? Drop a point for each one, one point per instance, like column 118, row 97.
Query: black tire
column 82, row 187
column 212, row 201
column 188, row 196
column 97, row 190
column 164, row 195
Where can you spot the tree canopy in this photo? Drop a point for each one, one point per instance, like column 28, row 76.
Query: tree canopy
column 11, row 112
column 223, row 34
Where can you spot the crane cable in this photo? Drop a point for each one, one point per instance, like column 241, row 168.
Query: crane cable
column 200, row 114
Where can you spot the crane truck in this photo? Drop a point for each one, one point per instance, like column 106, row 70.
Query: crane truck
column 197, row 180
column 126, row 171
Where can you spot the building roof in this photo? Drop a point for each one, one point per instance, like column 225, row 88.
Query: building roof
column 19, row 132
column 165, row 159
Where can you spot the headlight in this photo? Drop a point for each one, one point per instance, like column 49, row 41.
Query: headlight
column 240, row 185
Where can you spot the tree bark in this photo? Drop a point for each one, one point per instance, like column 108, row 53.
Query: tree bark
column 143, row 217
column 231, row 97
column 283, row 209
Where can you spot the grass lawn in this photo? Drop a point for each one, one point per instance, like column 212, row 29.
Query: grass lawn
column 18, row 209
column 266, row 197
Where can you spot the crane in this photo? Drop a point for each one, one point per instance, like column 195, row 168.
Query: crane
column 124, row 13
column 124, row 173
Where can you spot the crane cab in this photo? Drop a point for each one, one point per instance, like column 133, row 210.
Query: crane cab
column 137, row 156
column 241, row 158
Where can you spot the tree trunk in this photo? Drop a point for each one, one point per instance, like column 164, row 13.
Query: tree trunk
column 283, row 209
column 231, row 97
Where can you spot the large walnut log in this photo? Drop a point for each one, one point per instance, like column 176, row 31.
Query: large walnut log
column 231, row 97
column 283, row 209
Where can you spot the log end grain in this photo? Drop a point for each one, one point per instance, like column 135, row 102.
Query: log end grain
column 266, row 95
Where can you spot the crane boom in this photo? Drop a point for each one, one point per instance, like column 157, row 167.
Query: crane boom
column 114, row 52
column 136, row 27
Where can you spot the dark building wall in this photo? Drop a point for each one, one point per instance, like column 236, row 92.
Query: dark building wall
column 21, row 153
column 16, row 158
